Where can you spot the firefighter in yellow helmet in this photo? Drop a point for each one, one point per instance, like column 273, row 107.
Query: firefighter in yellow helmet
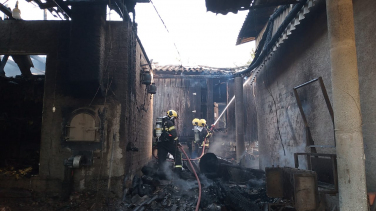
column 204, row 135
column 168, row 142
column 196, row 137
column 195, row 121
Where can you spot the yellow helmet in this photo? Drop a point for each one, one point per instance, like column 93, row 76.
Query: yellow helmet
column 202, row 123
column 195, row 121
column 172, row 113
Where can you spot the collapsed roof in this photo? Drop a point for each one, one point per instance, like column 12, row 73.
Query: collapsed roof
column 61, row 8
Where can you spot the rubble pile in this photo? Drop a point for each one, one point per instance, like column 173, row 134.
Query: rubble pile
column 154, row 191
column 158, row 191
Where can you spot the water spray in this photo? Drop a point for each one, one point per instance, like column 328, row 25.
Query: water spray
column 229, row 103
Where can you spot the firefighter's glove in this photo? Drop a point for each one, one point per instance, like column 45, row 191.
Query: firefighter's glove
column 179, row 145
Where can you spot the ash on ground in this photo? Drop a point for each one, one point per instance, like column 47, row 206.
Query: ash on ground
column 154, row 190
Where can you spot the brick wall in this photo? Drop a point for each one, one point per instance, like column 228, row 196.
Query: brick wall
column 117, row 96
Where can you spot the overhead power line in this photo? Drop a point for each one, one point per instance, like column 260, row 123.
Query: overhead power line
column 167, row 31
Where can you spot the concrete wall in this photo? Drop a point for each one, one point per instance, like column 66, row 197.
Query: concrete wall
column 119, row 99
column 305, row 56
column 365, row 30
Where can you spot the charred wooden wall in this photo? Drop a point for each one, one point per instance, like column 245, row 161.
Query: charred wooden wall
column 184, row 96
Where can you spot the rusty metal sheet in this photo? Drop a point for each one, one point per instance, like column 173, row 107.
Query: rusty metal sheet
column 274, row 182
column 305, row 191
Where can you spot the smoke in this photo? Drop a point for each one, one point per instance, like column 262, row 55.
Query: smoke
column 175, row 179
column 256, row 183
column 216, row 146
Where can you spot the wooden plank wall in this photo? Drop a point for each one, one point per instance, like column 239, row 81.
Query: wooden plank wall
column 178, row 94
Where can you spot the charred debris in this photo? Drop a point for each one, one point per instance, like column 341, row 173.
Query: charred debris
column 225, row 186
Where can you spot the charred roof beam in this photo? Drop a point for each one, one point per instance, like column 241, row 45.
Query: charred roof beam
column 63, row 7
column 6, row 11
column 24, row 63
column 50, row 6
column 2, row 65
column 156, row 75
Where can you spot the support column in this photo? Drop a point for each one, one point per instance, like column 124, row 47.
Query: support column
column 239, row 115
column 346, row 106
column 210, row 102
column 230, row 120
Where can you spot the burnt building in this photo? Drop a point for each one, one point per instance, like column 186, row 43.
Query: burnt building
column 311, row 89
column 74, row 127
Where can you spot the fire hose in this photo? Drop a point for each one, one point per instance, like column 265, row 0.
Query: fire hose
column 194, row 172
column 198, row 180
column 190, row 163
column 202, row 154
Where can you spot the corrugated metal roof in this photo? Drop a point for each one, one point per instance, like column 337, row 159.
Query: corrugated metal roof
column 225, row 6
column 192, row 70
column 288, row 30
column 269, row 3
column 257, row 18
column 253, row 24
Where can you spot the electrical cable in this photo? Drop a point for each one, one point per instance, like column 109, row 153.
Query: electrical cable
column 166, row 30
column 198, row 180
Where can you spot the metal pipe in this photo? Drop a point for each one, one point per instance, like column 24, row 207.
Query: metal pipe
column 346, row 104
column 239, row 114
column 306, row 83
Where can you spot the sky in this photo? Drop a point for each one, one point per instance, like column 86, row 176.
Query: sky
column 201, row 37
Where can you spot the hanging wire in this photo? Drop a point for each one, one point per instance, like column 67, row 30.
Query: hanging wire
column 167, row 31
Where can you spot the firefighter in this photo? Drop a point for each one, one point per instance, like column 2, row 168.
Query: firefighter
column 196, row 136
column 168, row 142
column 204, row 135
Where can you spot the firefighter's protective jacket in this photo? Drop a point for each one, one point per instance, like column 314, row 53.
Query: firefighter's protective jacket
column 169, row 132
